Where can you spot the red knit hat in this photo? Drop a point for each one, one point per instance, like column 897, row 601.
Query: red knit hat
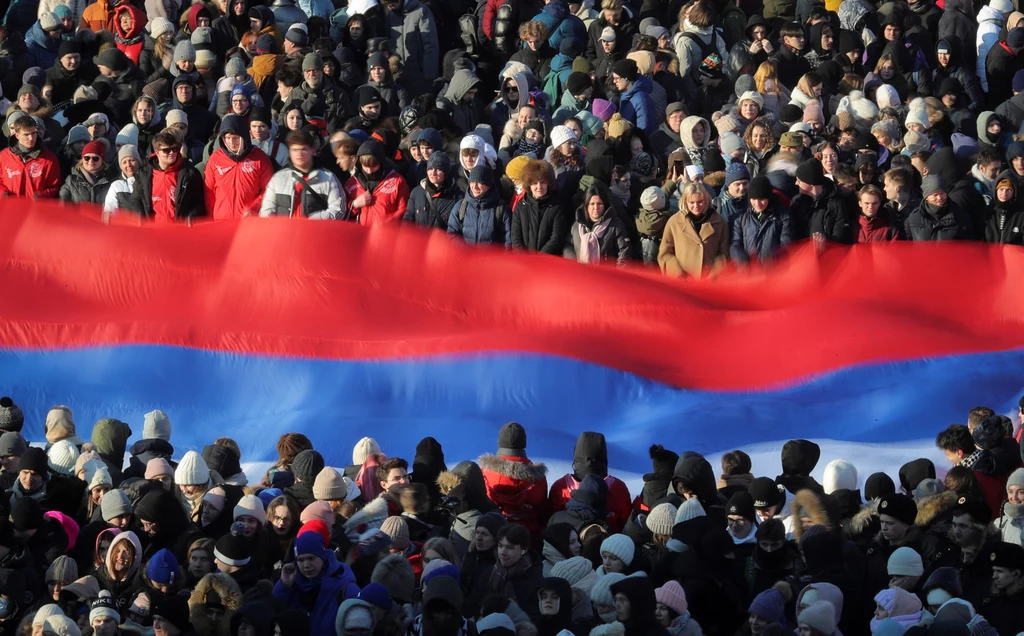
column 318, row 526
column 95, row 147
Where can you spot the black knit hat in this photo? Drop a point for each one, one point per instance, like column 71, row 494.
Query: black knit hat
column 174, row 610
column 113, row 59
column 878, row 485
column 232, row 549
column 68, row 47
column 35, row 460
column 899, row 507
column 759, row 188
column 222, row 459
column 811, row 172
column 577, row 83
column 307, row 465
column 11, row 417
column 626, row 69
column 26, row 514
column 663, row 460
column 512, row 440
column 764, row 491
column 742, row 504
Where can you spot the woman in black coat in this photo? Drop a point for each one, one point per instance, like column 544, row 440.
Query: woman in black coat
column 539, row 224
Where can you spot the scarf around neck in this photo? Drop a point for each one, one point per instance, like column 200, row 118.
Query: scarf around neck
column 502, row 577
column 590, row 241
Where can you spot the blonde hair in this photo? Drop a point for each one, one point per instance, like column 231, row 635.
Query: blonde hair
column 611, row 5
column 767, row 71
column 535, row 29
column 807, row 82
column 887, row 57
column 693, row 189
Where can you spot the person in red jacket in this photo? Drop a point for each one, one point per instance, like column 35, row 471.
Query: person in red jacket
column 236, row 174
column 875, row 224
column 27, row 168
column 376, row 193
column 129, row 30
column 516, row 485
column 591, row 458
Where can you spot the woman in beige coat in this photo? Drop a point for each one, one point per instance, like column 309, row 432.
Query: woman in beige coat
column 696, row 239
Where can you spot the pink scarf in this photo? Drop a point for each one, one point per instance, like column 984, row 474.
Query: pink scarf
column 590, row 241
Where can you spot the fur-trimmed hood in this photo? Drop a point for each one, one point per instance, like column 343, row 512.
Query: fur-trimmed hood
column 862, row 521
column 929, row 508
column 230, row 597
column 519, row 470
column 806, row 503
column 447, row 481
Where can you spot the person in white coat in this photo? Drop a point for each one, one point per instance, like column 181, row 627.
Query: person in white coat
column 129, row 161
column 302, row 189
column 990, row 21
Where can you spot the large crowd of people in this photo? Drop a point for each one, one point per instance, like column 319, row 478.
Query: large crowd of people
column 106, row 538
column 680, row 134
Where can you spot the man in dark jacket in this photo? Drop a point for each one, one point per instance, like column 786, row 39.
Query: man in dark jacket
column 168, row 187
column 958, row 26
column 319, row 95
column 200, row 121
column 1011, row 111
column 1001, row 64
column 938, row 218
column 950, row 64
column 123, row 78
column 432, row 201
column 306, row 466
column 1002, row 607
column 413, row 35
column 763, row 228
column 618, row 18
column 155, row 444
column 830, row 216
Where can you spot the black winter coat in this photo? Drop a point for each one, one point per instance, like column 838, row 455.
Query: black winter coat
column 928, row 223
column 754, row 238
column 431, row 207
column 539, row 225
column 959, row 26
column 1000, row 67
column 1005, row 226
column 77, row 189
column 189, row 200
column 832, row 215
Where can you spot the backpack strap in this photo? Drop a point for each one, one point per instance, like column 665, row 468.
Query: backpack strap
column 462, row 209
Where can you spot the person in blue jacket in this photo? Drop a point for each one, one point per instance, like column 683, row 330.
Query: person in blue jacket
column 481, row 216
column 763, row 229
column 561, row 23
column 43, row 40
column 635, row 103
column 316, row 583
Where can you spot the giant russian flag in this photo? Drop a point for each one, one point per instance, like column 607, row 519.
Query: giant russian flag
column 256, row 328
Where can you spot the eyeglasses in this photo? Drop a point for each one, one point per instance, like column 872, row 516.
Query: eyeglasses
column 173, row 150
column 617, row 79
column 90, row 158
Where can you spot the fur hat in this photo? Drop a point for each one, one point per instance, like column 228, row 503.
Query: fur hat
column 898, row 506
column 839, row 475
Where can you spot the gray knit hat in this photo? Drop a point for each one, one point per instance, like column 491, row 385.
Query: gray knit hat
column 156, row 424
column 128, row 150
column 12, row 443
column 114, row 504
column 661, row 519
column 11, row 417
column 63, row 569
column 932, row 184
column 183, row 51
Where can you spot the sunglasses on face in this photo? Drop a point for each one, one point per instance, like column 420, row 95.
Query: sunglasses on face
column 90, row 158
column 169, row 151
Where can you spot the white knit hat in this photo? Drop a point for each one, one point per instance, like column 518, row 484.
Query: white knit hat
column 690, row 509
column 159, row 26
column 905, row 562
column 62, row 457
column 863, row 110
column 653, row 198
column 918, row 116
column 1016, row 478
column 886, row 96
column 100, row 477
column 45, row 612
column 250, row 506
column 661, row 519
column 601, row 593
column 363, row 449
column 839, row 475
column 1002, row 6
column 192, row 470
column 560, row 135
column 753, row 96
column 820, row 616
column 574, row 569
column 156, row 425
column 176, row 116
column 621, row 546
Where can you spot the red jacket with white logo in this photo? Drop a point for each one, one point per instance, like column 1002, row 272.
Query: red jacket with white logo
column 234, row 188
column 390, row 199
column 34, row 175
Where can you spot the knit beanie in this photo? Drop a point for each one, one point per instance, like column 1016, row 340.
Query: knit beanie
column 887, row 97
column 603, row 109
column 364, row 448
column 918, row 116
column 34, row 459
column 162, row 567
column 307, row 465
column 914, row 142
column 156, row 425
column 905, row 561
column 927, row 488
column 626, row 69
column 104, row 606
column 839, row 475
column 63, row 569
column 318, row 510
column 574, row 569
column 192, row 470
column 741, row 504
column 114, row 504
column 601, row 593
column 931, row 184
column 560, row 135
column 159, row 26
column 311, row 543
column 620, row 546
column 12, row 444
column 770, row 606
column 512, row 440
column 396, row 574
column 62, row 457
column 250, row 506
column 661, row 519
column 495, row 623
column 184, row 51
column 158, row 467
column 398, row 530
column 514, row 168
column 441, row 161
column 234, row 549
column 811, row 172
column 11, row 417
column 820, row 616
column 736, row 171
column 672, row 596
column 46, row 611
column 887, row 127
column 100, row 477
column 330, row 484
column 577, row 83
column 653, row 199
column 312, row 62
column 582, row 65
column 689, row 509
column 729, row 143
